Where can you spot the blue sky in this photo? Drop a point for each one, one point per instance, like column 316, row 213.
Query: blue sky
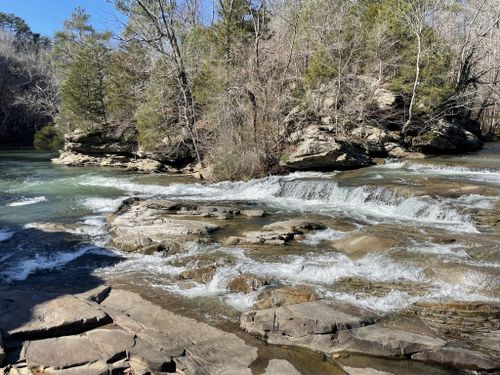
column 47, row 16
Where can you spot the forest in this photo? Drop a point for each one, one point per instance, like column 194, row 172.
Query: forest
column 230, row 85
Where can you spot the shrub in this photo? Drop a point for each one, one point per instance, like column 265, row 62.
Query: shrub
column 48, row 138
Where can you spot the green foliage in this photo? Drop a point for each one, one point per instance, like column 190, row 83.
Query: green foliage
column 321, row 68
column 127, row 75
column 435, row 85
column 157, row 116
column 48, row 138
column 82, row 56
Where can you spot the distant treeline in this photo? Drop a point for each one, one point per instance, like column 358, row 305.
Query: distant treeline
column 224, row 83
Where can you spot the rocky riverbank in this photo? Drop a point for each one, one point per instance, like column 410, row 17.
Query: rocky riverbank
column 311, row 139
column 122, row 333
column 462, row 335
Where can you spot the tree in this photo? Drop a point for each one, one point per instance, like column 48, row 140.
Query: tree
column 156, row 23
column 82, row 57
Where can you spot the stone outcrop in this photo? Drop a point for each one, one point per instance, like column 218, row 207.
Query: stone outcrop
column 318, row 148
column 150, row 225
column 339, row 329
column 74, row 159
column 45, row 318
column 112, row 139
column 138, row 338
column 443, row 137
column 117, row 146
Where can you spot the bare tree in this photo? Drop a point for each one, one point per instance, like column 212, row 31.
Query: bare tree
column 157, row 23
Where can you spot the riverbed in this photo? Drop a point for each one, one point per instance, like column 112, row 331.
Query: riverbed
column 439, row 218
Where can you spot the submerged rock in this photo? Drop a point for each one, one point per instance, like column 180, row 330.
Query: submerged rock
column 364, row 371
column 458, row 357
column 320, row 149
column 281, row 367
column 358, row 244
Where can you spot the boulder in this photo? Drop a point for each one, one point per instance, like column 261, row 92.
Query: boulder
column 443, row 137
column 201, row 275
column 296, row 226
column 281, row 367
column 385, row 99
column 320, row 149
column 312, row 324
column 379, row 340
column 285, row 296
column 278, row 233
column 75, row 159
column 145, row 166
column 395, row 150
column 246, row 284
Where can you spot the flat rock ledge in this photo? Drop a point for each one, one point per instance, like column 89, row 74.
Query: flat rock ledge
column 111, row 331
column 339, row 329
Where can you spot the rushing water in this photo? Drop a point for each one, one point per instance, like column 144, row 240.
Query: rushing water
column 442, row 211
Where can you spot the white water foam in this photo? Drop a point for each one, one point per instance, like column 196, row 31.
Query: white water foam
column 311, row 192
column 6, row 234
column 478, row 174
column 393, row 301
column 27, row 201
column 329, row 234
column 26, row 267
column 102, row 205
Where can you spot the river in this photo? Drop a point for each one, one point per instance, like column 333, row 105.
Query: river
column 441, row 214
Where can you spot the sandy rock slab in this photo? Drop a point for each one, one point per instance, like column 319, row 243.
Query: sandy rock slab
column 312, row 325
column 100, row 345
column 205, row 349
column 30, row 315
column 135, row 337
